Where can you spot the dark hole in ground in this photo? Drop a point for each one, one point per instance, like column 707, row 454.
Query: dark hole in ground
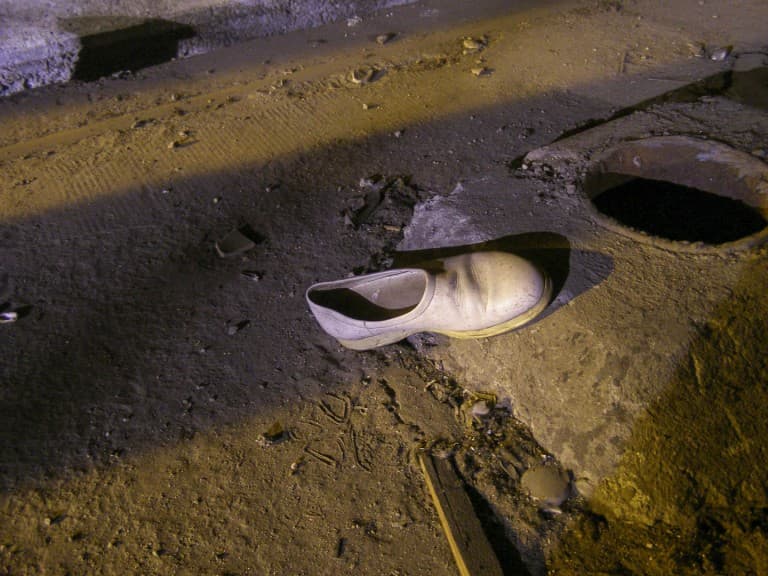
column 130, row 48
column 677, row 212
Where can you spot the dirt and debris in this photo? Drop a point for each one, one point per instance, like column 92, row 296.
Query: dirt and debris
column 170, row 406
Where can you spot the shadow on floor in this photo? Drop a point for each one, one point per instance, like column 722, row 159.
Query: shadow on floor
column 111, row 45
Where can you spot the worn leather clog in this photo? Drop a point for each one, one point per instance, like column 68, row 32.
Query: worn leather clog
column 473, row 295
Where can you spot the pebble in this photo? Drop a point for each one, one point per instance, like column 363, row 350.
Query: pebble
column 697, row 49
column 482, row 71
column 361, row 75
column 234, row 328
column 252, row 275
column 480, row 409
column 8, row 317
column 472, row 45
column 275, row 432
column 721, row 54
column 550, row 485
column 384, row 38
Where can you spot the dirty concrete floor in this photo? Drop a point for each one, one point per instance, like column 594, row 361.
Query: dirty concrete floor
column 165, row 410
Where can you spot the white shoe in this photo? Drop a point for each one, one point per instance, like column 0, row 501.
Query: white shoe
column 469, row 296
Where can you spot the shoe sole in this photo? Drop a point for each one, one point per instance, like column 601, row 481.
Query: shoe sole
column 517, row 321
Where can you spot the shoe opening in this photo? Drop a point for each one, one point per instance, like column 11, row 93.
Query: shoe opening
column 375, row 299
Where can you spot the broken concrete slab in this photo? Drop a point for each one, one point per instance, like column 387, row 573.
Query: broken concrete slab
column 586, row 371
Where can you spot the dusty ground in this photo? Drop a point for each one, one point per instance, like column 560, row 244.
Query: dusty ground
column 163, row 412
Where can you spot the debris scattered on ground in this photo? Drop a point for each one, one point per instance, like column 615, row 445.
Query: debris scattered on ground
column 469, row 545
column 354, row 21
column 481, row 71
column 374, row 194
column 387, row 202
column 493, row 455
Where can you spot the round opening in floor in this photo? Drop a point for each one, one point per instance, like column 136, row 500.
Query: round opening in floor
column 681, row 191
column 679, row 213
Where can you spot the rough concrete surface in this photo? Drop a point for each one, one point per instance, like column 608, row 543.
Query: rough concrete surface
column 614, row 285
column 45, row 41
column 169, row 405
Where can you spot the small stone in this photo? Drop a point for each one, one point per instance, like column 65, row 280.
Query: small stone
column 274, row 432
column 234, row 328
column 548, row 484
column 173, row 144
column 384, row 38
column 8, row 317
column 52, row 521
column 698, row 50
column 472, row 45
column 252, row 275
column 361, row 75
column 481, row 71
column 480, row 409
column 721, row 53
